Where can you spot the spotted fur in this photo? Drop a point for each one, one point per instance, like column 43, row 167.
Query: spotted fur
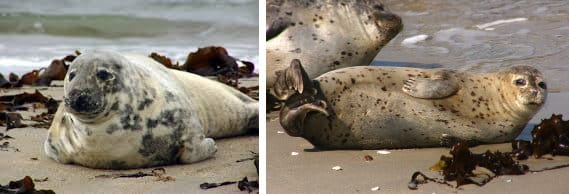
column 372, row 108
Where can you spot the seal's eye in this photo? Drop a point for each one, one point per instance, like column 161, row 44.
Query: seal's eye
column 104, row 75
column 542, row 85
column 520, row 82
column 71, row 76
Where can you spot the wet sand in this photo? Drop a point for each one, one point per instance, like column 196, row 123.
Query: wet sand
column 311, row 171
column 76, row 179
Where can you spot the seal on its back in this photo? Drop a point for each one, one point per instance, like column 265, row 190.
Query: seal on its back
column 393, row 107
column 128, row 111
column 327, row 35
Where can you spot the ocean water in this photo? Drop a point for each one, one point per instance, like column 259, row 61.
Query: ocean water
column 33, row 32
column 482, row 36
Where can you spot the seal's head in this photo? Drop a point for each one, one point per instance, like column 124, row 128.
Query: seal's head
column 389, row 23
column 91, row 83
column 527, row 85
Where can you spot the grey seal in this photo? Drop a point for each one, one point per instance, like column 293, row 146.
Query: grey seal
column 396, row 107
column 128, row 111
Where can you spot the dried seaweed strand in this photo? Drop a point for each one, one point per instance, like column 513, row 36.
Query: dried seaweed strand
column 413, row 184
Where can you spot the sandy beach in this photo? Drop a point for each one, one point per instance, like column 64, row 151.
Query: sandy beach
column 311, row 171
column 76, row 179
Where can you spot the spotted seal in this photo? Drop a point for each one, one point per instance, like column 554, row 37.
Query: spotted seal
column 396, row 107
column 327, row 35
column 128, row 111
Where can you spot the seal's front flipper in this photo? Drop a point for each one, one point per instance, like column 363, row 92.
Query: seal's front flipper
column 292, row 118
column 276, row 27
column 440, row 86
column 196, row 149
column 292, row 80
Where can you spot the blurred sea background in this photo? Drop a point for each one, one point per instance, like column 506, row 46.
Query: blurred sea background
column 482, row 36
column 34, row 32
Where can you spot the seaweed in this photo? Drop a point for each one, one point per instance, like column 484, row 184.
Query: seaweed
column 5, row 146
column 211, row 61
column 465, row 167
column 15, row 102
column 242, row 185
column 11, row 120
column 206, row 185
column 159, row 173
column 4, row 83
column 167, row 62
column 245, row 184
column 550, row 136
column 43, row 120
column 25, row 185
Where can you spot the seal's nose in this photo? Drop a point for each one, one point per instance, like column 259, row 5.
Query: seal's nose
column 82, row 101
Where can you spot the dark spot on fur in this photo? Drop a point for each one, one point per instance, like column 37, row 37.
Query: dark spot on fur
column 112, row 128
column 145, row 103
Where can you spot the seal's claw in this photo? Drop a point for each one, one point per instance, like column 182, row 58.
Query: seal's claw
column 431, row 88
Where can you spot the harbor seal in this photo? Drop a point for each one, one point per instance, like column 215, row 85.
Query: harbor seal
column 396, row 107
column 128, row 111
column 326, row 35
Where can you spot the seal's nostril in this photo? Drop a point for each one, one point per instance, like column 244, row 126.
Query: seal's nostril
column 82, row 102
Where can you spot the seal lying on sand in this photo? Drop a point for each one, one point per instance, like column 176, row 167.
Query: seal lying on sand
column 128, row 111
column 393, row 107
column 326, row 35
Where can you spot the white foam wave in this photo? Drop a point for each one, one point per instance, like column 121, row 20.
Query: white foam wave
column 499, row 22
column 411, row 41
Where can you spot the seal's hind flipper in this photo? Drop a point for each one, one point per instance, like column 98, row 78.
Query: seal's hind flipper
column 440, row 86
column 276, row 27
column 292, row 118
column 291, row 80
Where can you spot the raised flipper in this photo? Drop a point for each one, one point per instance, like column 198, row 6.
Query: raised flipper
column 439, row 86
column 300, row 95
column 291, row 80
column 276, row 27
column 292, row 119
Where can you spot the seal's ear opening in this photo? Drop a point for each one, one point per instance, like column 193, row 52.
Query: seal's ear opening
column 291, row 80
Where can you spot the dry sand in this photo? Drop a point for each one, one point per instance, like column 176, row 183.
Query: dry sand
column 76, row 179
column 311, row 171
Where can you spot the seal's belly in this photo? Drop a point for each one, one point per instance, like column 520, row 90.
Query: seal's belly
column 106, row 151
